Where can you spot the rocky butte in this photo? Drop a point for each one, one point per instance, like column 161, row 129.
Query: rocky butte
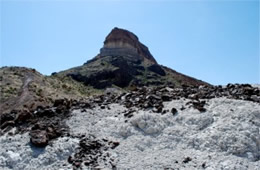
column 124, row 61
column 121, row 42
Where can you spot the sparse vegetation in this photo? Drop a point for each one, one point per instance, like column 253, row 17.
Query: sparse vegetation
column 40, row 88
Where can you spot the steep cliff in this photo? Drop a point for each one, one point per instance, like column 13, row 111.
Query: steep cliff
column 120, row 42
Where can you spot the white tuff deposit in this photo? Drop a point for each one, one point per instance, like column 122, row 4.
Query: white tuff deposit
column 226, row 136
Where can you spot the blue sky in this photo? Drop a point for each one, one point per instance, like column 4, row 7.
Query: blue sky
column 215, row 41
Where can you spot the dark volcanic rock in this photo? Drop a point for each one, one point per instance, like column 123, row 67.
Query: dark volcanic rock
column 8, row 116
column 166, row 98
column 91, row 151
column 186, row 160
column 157, row 69
column 39, row 138
column 120, row 76
column 153, row 97
column 44, row 123
column 7, row 123
column 23, row 116
column 48, row 112
column 174, row 111
column 197, row 104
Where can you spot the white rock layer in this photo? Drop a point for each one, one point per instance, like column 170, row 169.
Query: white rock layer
column 226, row 136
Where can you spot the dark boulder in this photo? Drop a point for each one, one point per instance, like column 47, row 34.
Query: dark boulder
column 174, row 111
column 7, row 123
column 186, row 160
column 157, row 69
column 54, row 73
column 199, row 105
column 23, row 116
column 39, row 138
column 52, row 132
column 8, row 116
column 166, row 98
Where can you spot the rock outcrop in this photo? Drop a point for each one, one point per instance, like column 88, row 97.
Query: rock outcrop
column 120, row 42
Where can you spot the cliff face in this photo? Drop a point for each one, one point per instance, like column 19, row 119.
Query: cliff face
column 120, row 42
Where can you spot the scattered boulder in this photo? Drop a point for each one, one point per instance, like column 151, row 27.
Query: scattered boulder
column 9, row 123
column 166, row 98
column 23, row 116
column 62, row 104
column 174, row 111
column 59, row 102
column 186, row 160
column 203, row 165
column 129, row 114
column 199, row 105
column 52, row 132
column 8, row 116
column 114, row 144
column 39, row 138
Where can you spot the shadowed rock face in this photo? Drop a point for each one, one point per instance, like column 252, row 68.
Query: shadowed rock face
column 120, row 42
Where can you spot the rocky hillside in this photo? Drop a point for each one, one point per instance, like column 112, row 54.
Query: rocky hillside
column 125, row 62
column 24, row 88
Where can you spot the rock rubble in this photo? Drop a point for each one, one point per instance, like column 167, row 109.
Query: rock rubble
column 92, row 152
column 146, row 110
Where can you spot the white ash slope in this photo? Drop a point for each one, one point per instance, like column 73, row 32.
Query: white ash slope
column 226, row 136
column 17, row 153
